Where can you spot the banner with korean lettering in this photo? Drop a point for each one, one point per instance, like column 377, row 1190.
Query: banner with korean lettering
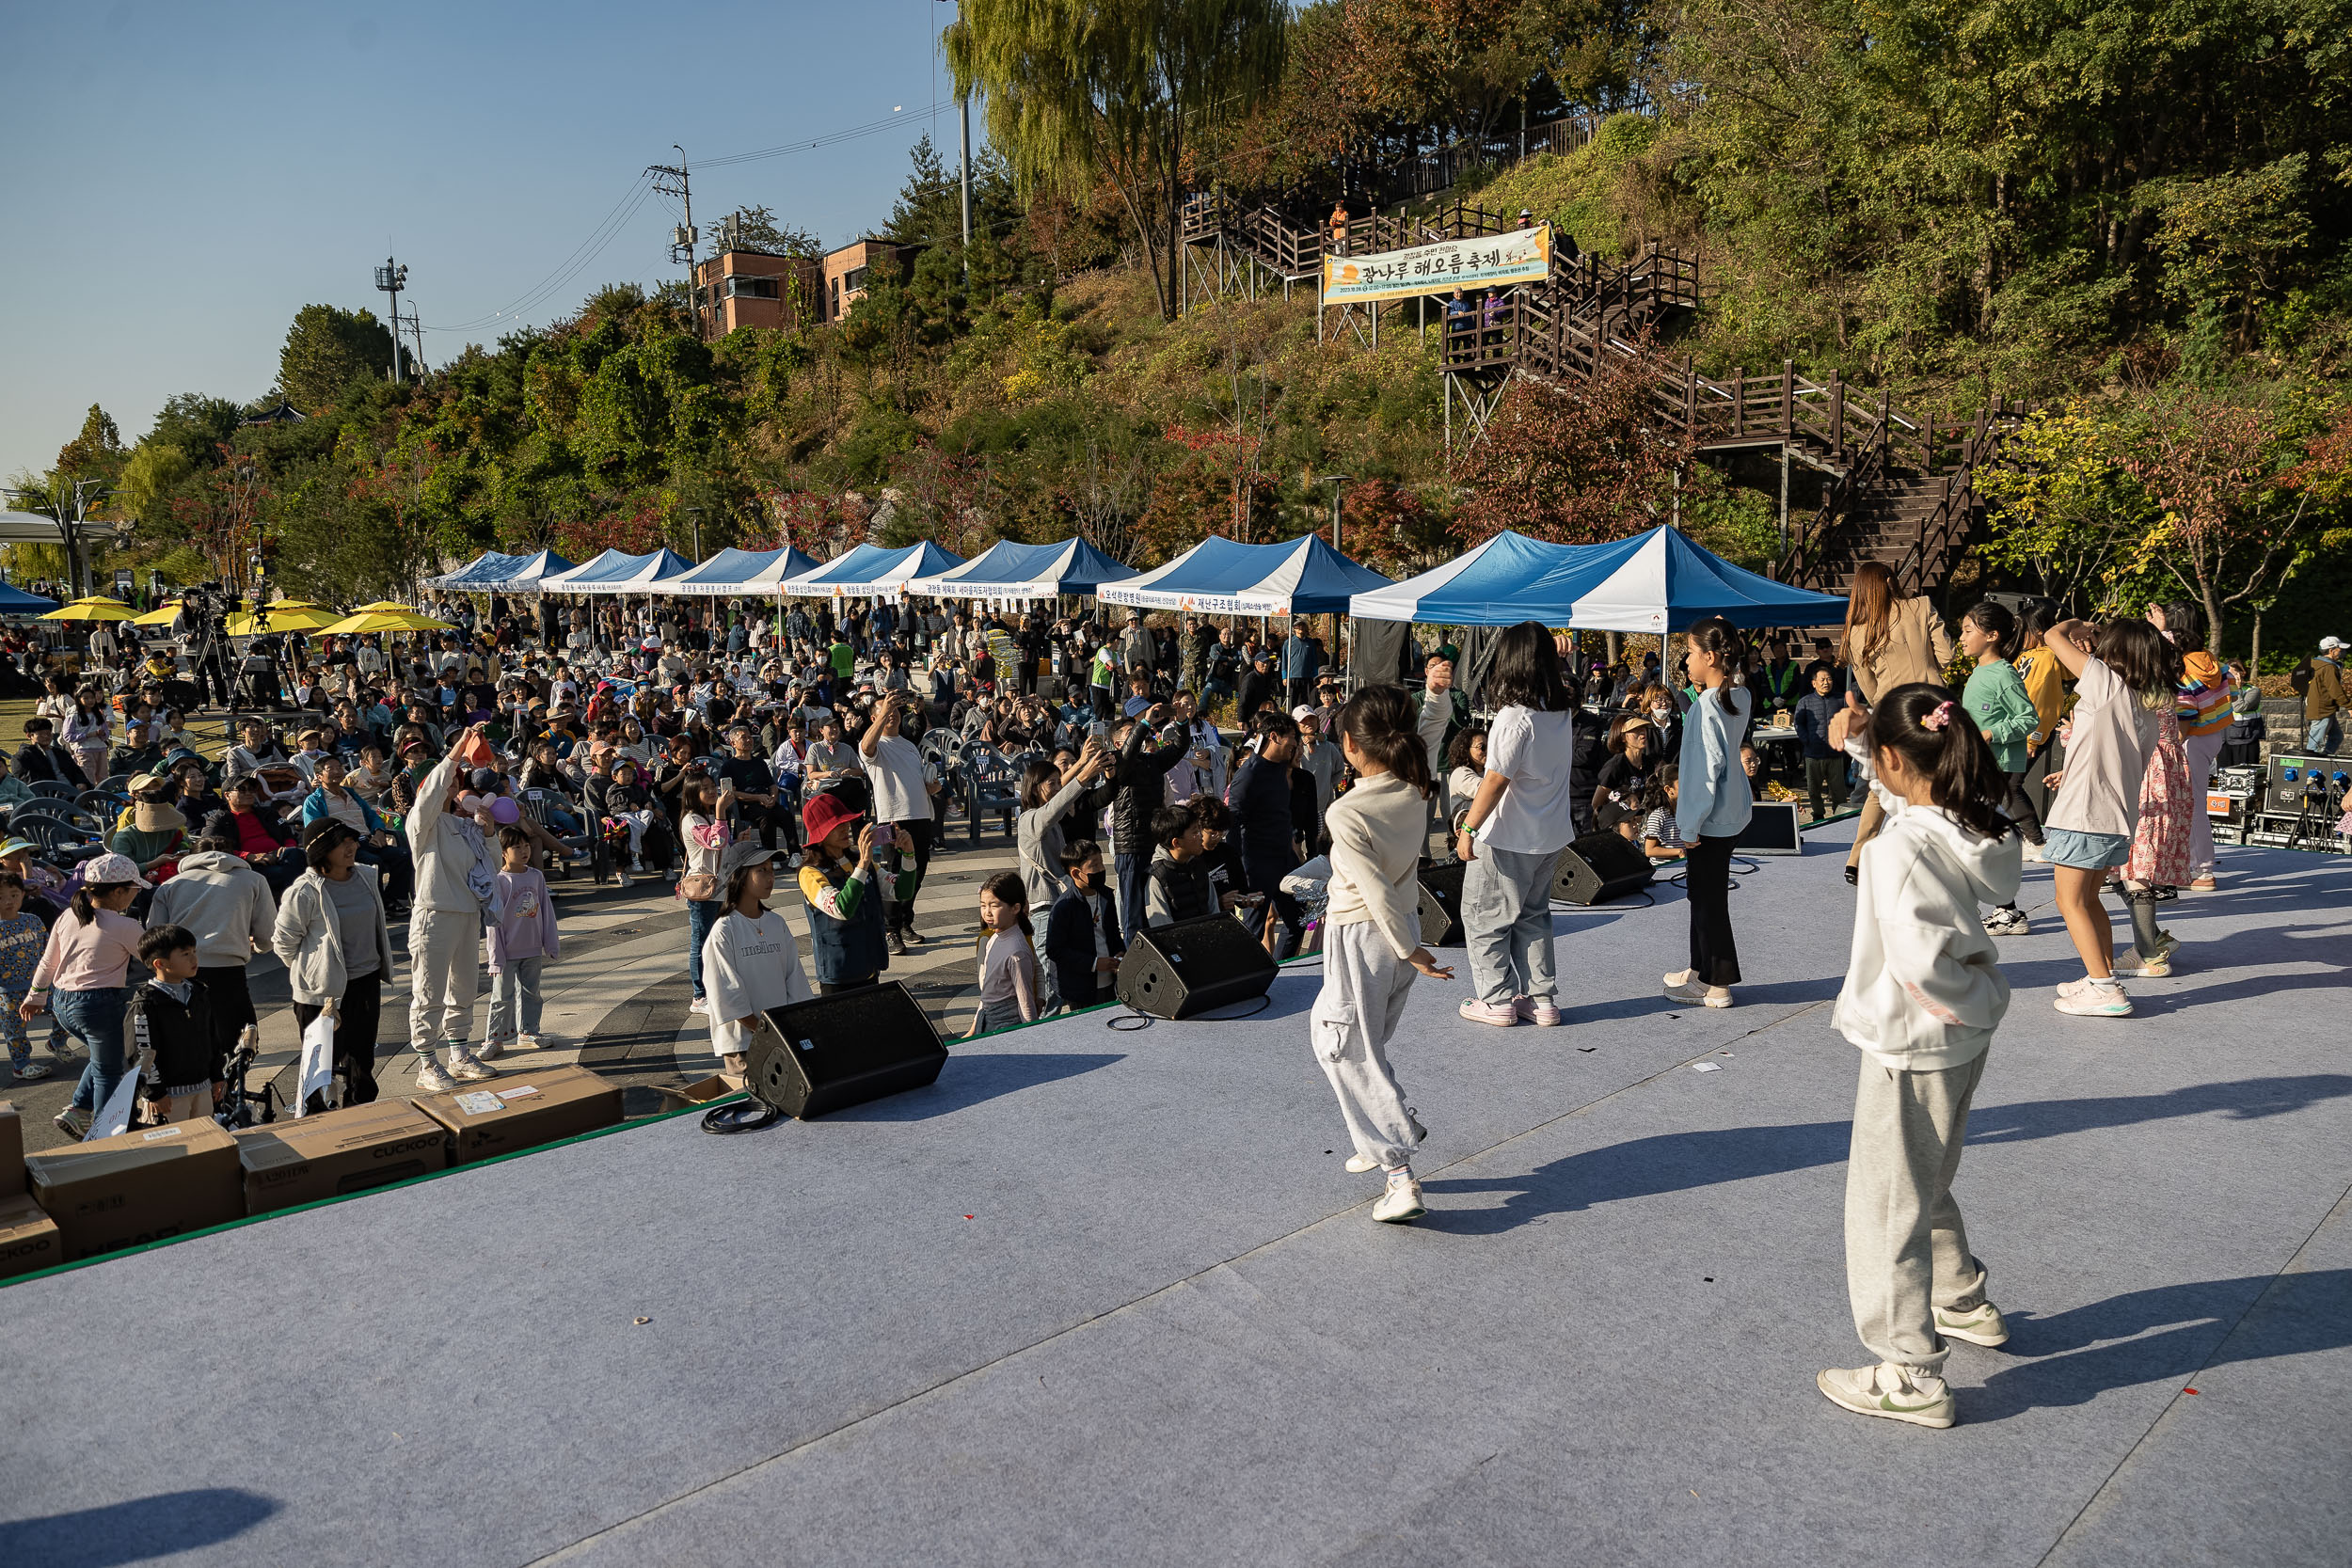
column 1480, row 262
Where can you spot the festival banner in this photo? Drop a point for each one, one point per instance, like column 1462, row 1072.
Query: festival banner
column 1480, row 262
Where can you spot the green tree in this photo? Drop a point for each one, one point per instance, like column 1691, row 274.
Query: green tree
column 325, row 347
column 755, row 229
column 1116, row 90
column 96, row 452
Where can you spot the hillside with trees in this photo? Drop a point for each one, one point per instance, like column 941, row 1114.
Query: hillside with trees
column 2130, row 218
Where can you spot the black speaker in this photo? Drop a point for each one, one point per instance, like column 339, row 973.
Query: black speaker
column 1192, row 966
column 1599, row 868
column 1442, row 905
column 833, row 1052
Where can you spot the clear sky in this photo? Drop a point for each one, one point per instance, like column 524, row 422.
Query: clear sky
column 179, row 177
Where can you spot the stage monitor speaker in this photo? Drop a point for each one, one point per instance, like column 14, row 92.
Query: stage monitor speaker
column 833, row 1051
column 1600, row 867
column 1188, row 967
column 1772, row 830
column 1441, row 904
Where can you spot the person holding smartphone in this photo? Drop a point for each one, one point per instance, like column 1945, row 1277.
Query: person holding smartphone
column 902, row 809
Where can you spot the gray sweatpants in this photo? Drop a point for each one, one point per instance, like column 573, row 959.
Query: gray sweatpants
column 1906, row 1250
column 1506, row 918
column 444, row 968
column 1364, row 983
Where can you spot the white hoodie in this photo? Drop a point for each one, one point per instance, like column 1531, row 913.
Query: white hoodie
column 1924, row 988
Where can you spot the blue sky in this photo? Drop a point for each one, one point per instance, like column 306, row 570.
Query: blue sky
column 180, row 177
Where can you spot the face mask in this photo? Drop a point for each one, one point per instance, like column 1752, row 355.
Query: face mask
column 1662, row 713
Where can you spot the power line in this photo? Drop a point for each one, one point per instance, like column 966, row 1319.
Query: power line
column 642, row 189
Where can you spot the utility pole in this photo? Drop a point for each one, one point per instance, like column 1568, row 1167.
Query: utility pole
column 391, row 278
column 1337, row 482
column 964, row 109
column 695, row 515
column 674, row 180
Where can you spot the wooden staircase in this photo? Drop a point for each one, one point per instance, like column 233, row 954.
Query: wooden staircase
column 1900, row 487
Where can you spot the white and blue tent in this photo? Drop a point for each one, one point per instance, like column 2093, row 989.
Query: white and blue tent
column 488, row 564
column 1657, row 581
column 870, row 571
column 524, row 574
column 1225, row 576
column 743, row 572
column 615, row 572
column 1025, row 573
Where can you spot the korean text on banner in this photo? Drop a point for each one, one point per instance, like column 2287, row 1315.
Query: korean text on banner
column 1480, row 262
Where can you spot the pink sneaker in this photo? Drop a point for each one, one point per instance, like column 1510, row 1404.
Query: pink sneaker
column 1500, row 1014
column 1541, row 1011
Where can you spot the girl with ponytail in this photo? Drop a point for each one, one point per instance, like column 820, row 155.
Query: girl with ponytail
column 1371, row 936
column 1711, row 804
column 1924, row 993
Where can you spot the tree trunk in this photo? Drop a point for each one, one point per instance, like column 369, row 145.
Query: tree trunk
column 2254, row 657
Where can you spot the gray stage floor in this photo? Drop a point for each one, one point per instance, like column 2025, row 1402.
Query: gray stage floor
column 1104, row 1296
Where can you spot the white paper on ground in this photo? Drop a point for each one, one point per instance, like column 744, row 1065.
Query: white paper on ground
column 1706, row 1066
column 318, row 1061
column 115, row 1116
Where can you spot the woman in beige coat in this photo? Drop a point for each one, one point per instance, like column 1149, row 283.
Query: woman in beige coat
column 1889, row 643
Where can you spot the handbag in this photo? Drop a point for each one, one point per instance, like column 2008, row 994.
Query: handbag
column 698, row 887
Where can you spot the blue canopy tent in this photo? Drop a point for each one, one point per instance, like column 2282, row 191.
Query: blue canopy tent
column 489, row 564
column 747, row 573
column 1225, row 576
column 518, row 575
column 615, row 572
column 1025, row 573
column 870, row 571
column 15, row 601
column 1657, row 581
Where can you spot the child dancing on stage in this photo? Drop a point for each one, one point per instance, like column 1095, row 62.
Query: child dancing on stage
column 1372, row 946
column 2125, row 676
column 1924, row 993
column 1712, row 803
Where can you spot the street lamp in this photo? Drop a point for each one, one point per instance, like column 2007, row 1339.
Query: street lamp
column 1335, row 482
column 695, row 515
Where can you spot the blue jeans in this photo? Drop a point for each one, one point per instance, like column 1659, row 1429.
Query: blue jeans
column 1134, row 885
column 2321, row 736
column 701, row 915
column 95, row 1019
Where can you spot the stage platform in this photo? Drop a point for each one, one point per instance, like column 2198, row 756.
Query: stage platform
column 1106, row 1297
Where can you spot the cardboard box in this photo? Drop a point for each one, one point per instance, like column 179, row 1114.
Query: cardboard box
column 28, row 1238
column 335, row 1152
column 522, row 1109
column 682, row 1097
column 11, row 1152
column 144, row 1185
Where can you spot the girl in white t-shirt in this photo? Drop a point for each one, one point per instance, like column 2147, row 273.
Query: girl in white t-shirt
column 2125, row 678
column 1511, row 836
column 749, row 960
column 1009, row 990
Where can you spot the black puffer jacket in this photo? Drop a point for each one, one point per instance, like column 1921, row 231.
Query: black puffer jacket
column 1139, row 787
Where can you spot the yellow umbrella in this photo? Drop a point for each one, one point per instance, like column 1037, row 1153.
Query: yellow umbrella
column 160, row 616
column 92, row 609
column 287, row 617
column 368, row 619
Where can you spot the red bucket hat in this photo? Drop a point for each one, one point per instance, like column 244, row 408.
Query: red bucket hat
column 821, row 816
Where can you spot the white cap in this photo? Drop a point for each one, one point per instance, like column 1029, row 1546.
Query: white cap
column 111, row 870
column 2329, row 643
column 1306, row 710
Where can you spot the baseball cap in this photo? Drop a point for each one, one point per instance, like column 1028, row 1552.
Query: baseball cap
column 485, row 781
column 1305, row 710
column 2328, row 645
column 112, row 870
column 820, row 817
column 749, row 852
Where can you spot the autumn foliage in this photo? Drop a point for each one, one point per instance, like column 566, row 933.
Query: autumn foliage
column 1574, row 463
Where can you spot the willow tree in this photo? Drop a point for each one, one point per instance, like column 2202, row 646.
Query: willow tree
column 1081, row 90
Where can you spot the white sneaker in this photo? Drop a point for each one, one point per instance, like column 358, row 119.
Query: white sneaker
column 465, row 1063
column 700, row 1005
column 1402, row 1201
column 2086, row 999
column 430, row 1076
column 534, row 1043
column 2036, row 854
column 1357, row 1164
column 2007, row 923
column 492, row 1050
column 1898, row 1393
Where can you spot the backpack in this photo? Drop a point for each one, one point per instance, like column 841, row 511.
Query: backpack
column 2301, row 679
